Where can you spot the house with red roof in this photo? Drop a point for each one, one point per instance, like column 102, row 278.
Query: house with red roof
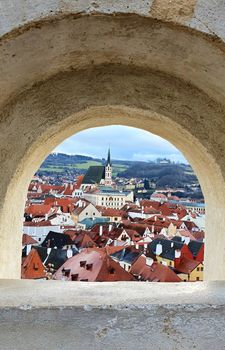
column 129, row 236
column 146, row 269
column 114, row 215
column 190, row 270
column 92, row 265
column 27, row 243
column 32, row 266
column 85, row 210
column 159, row 197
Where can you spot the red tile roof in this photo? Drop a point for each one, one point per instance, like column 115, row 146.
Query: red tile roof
column 113, row 212
column 37, row 224
column 38, row 210
column 187, row 265
column 154, row 273
column 32, row 267
column 186, row 233
column 93, row 265
column 26, row 240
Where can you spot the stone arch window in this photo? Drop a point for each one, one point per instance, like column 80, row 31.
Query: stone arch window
column 133, row 78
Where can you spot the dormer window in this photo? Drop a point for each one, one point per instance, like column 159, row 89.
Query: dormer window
column 66, row 272
column 74, row 277
column 82, row 263
column 36, row 265
column 89, row 266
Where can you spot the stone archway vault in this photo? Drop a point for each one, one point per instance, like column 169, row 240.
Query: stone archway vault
column 74, row 72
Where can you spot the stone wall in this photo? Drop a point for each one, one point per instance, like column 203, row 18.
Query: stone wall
column 70, row 65
column 79, row 315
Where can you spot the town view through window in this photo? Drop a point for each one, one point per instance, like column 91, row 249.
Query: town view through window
column 114, row 203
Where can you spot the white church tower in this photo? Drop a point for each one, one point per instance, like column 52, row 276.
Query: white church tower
column 108, row 171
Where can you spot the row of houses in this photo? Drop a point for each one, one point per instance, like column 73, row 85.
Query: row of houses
column 69, row 235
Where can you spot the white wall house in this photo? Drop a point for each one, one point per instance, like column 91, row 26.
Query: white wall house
column 109, row 199
column 40, row 232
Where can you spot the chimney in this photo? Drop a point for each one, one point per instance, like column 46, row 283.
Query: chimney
column 69, row 253
column 149, row 261
column 172, row 244
column 49, row 251
column 110, row 227
column 46, row 217
column 155, row 218
column 100, row 230
column 177, row 254
column 28, row 249
column 187, row 240
column 158, row 250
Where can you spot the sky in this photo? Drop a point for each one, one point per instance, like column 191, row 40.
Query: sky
column 126, row 143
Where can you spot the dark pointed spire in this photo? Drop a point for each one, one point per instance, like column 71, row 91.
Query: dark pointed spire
column 109, row 159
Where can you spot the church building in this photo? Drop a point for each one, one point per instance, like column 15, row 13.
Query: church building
column 99, row 175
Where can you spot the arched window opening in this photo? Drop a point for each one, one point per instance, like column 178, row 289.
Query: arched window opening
column 131, row 211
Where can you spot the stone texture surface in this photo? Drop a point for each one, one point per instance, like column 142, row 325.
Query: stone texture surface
column 69, row 65
column 203, row 15
column 68, row 315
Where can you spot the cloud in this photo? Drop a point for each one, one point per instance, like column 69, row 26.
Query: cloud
column 125, row 143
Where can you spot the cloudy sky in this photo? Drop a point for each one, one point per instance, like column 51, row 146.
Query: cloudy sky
column 125, row 143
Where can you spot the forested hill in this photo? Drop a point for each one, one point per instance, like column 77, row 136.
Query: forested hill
column 174, row 175
column 161, row 174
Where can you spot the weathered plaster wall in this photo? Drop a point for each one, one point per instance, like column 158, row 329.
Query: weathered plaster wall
column 69, row 65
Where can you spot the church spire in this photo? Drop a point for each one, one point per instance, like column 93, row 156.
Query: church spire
column 109, row 159
column 108, row 170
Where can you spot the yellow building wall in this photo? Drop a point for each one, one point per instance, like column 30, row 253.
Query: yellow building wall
column 195, row 275
column 167, row 261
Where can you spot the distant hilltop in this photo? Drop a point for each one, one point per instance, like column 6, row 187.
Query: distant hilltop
column 162, row 172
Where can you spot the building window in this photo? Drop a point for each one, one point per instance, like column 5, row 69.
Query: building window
column 197, row 278
column 202, row 268
column 197, row 268
column 82, row 263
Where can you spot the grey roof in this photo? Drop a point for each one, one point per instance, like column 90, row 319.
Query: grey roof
column 91, row 222
column 195, row 246
column 94, row 174
column 189, row 204
column 57, row 257
column 56, row 239
column 126, row 255
column 168, row 247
